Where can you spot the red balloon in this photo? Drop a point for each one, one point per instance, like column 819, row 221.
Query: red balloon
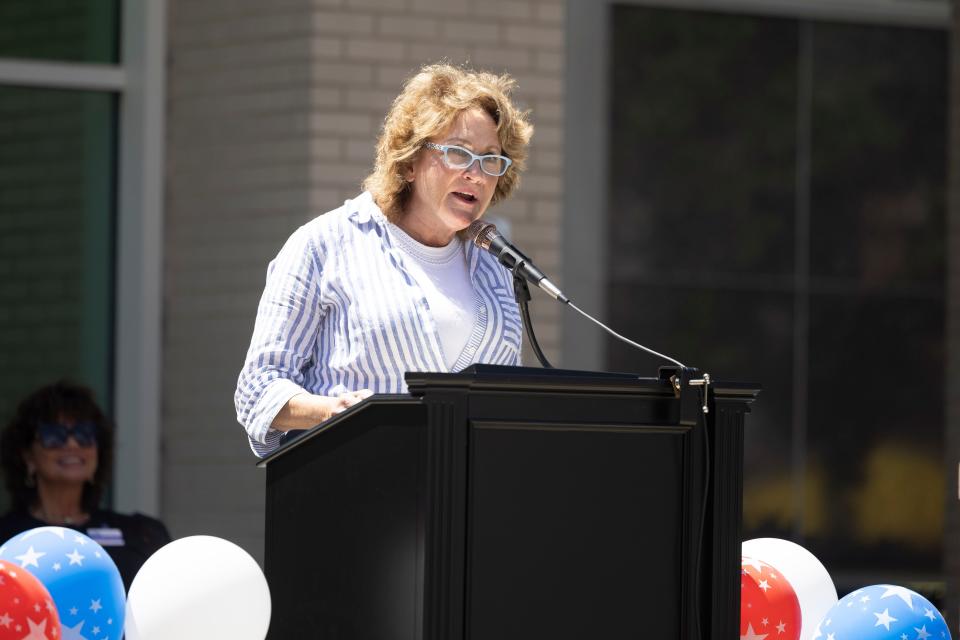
column 769, row 607
column 27, row 611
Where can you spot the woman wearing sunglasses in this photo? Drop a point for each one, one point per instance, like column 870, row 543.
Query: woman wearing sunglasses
column 57, row 452
column 386, row 283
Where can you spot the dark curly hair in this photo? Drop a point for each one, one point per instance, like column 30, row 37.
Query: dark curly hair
column 49, row 404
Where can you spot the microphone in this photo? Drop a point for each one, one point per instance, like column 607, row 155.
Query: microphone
column 486, row 236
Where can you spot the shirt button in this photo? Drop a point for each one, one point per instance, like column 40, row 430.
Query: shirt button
column 471, row 350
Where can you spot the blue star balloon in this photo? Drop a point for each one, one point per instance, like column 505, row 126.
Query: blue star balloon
column 882, row 612
column 81, row 577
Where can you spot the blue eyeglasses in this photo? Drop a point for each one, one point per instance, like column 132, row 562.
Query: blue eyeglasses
column 53, row 435
column 459, row 158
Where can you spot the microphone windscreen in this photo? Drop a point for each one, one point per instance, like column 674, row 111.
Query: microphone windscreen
column 482, row 233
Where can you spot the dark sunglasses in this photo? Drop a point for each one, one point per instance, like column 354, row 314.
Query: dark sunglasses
column 53, row 435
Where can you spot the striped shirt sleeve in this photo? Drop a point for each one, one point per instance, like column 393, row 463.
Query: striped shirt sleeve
column 283, row 340
column 339, row 312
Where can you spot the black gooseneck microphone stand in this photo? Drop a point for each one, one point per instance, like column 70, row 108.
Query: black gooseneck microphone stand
column 522, row 294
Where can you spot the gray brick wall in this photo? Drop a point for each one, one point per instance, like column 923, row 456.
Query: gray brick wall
column 272, row 116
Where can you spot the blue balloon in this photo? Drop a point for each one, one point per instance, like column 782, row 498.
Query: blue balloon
column 882, row 612
column 81, row 577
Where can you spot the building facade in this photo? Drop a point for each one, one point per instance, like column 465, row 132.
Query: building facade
column 754, row 186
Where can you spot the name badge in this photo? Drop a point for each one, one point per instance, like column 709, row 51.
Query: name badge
column 106, row 536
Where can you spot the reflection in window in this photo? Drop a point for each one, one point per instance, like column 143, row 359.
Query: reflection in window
column 57, row 159
column 62, row 30
column 777, row 215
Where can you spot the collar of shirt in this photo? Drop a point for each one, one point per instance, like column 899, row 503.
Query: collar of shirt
column 366, row 212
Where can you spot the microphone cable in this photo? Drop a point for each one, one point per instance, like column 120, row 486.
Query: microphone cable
column 486, row 236
column 624, row 339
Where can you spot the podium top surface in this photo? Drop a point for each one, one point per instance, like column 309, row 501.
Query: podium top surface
column 497, row 376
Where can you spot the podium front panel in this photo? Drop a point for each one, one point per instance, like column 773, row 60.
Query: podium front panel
column 345, row 534
column 577, row 531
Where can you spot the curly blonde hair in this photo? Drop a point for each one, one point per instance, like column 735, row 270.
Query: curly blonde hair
column 429, row 103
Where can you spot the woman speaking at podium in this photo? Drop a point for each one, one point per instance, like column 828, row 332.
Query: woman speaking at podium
column 385, row 283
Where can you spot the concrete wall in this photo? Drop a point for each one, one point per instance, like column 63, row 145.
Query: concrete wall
column 273, row 111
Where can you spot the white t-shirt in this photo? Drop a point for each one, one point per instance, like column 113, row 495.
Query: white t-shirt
column 444, row 275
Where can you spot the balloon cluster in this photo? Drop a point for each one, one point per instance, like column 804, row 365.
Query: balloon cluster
column 787, row 594
column 83, row 584
column 59, row 584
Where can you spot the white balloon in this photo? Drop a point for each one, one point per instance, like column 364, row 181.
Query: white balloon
column 196, row 588
column 805, row 573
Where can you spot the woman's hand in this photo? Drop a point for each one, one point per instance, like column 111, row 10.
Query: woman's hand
column 346, row 400
column 305, row 410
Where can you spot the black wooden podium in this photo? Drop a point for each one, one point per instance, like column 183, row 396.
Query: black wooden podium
column 513, row 504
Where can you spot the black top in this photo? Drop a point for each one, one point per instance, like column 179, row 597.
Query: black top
column 129, row 540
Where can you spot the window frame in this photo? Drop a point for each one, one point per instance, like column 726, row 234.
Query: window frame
column 139, row 83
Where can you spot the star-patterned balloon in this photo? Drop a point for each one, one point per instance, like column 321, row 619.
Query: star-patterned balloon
column 769, row 607
column 806, row 574
column 27, row 611
column 883, row 612
column 82, row 579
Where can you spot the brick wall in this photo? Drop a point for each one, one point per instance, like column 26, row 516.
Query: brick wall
column 272, row 116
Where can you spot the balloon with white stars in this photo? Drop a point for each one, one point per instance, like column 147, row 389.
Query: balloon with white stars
column 804, row 571
column 27, row 611
column 82, row 579
column 769, row 607
column 883, row 612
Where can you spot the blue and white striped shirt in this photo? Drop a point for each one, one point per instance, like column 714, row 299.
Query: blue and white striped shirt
column 341, row 312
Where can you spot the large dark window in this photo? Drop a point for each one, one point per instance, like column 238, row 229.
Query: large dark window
column 57, row 161
column 61, row 30
column 777, row 215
